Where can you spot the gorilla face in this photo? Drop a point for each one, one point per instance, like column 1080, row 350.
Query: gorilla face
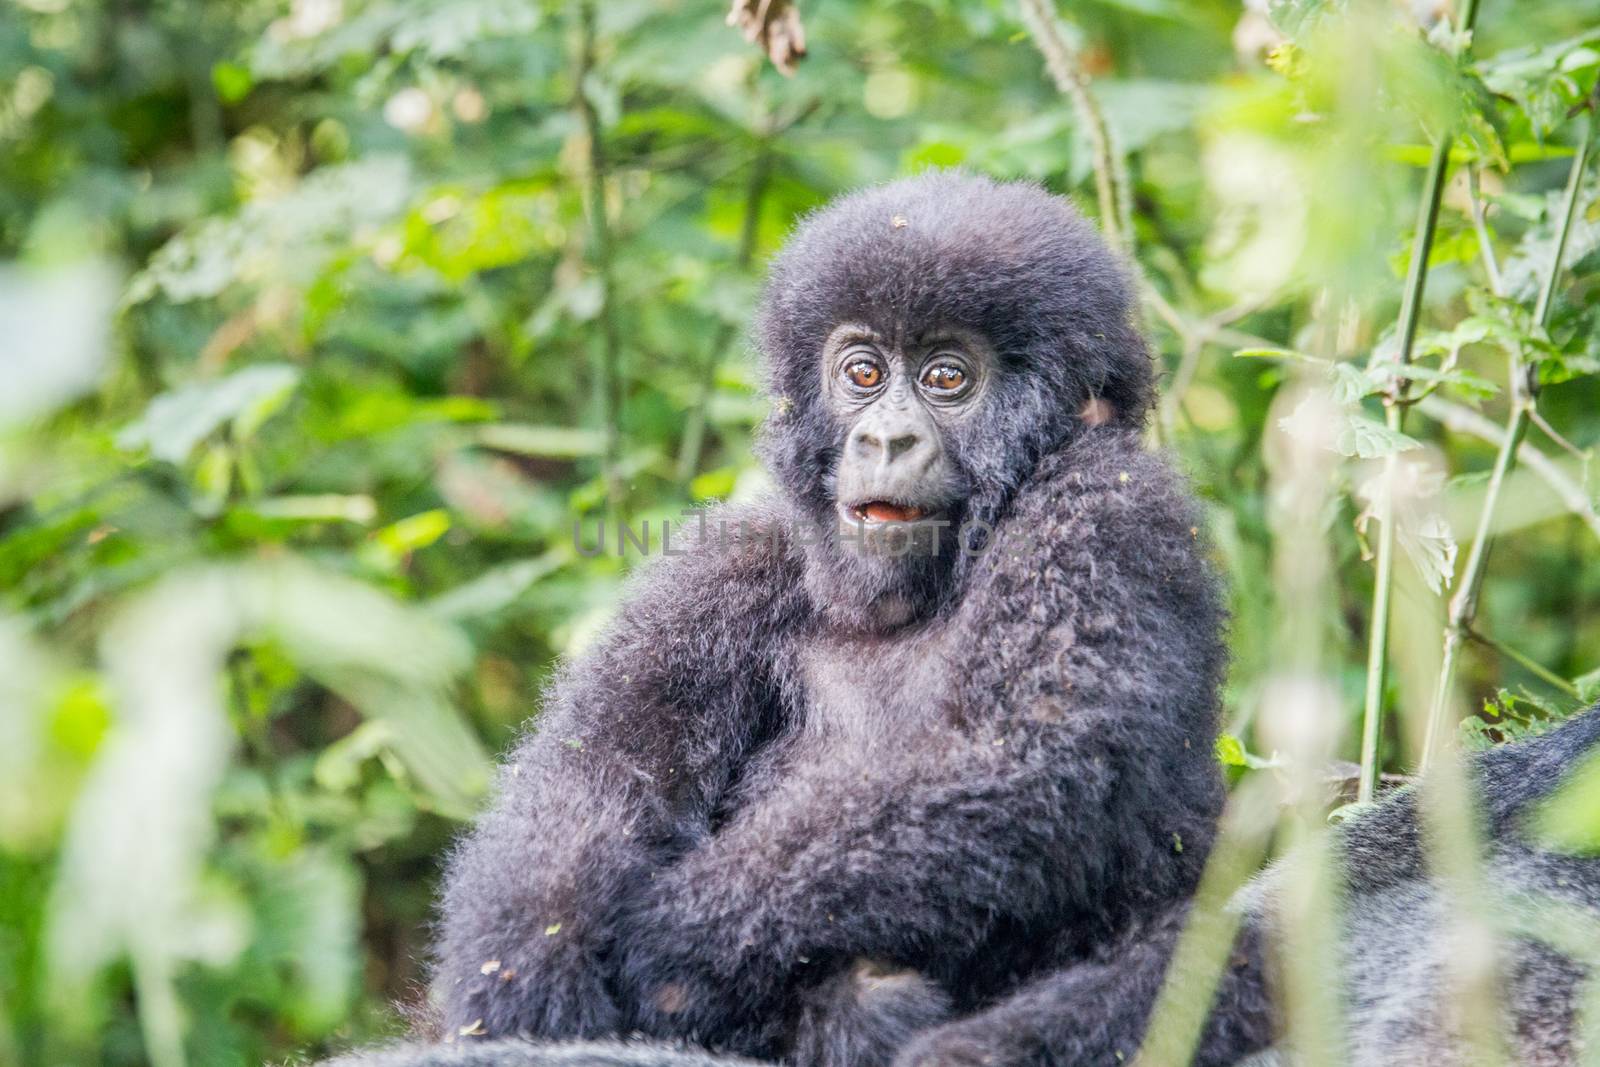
column 927, row 343
column 898, row 484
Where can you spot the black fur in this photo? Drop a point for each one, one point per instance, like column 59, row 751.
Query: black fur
column 1397, row 960
column 1397, row 950
column 515, row 1053
column 1396, row 955
column 759, row 817
column 697, row 842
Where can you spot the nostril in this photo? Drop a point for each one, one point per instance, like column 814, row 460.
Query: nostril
column 899, row 446
column 867, row 443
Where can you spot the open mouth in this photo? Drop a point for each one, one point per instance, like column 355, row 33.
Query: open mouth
column 873, row 511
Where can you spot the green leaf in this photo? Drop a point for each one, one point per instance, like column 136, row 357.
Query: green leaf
column 177, row 421
column 1353, row 810
column 310, row 925
column 1366, row 438
column 497, row 588
column 1352, row 433
column 233, row 81
column 1588, row 686
column 1569, row 821
column 1232, row 753
column 1280, row 353
column 414, row 531
column 555, row 442
column 714, row 484
column 317, row 507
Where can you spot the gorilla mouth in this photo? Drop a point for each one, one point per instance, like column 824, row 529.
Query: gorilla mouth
column 874, row 511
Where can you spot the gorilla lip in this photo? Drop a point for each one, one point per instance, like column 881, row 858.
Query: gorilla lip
column 884, row 511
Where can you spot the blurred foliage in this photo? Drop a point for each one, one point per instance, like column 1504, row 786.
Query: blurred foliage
column 323, row 321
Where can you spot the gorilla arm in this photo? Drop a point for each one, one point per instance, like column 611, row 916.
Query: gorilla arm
column 1097, row 1011
column 1080, row 789
column 634, row 746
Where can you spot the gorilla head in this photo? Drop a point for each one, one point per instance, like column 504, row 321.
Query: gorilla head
column 927, row 343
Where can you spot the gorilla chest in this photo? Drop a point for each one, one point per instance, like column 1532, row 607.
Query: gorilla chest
column 865, row 689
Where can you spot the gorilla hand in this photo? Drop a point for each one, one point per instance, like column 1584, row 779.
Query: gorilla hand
column 864, row 1015
column 548, row 988
column 971, row 1042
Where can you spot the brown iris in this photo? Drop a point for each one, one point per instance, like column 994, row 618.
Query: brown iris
column 945, row 378
column 864, row 373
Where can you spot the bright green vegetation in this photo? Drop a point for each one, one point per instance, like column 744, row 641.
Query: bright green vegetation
column 321, row 322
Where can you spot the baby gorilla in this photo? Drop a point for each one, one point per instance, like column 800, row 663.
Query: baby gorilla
column 929, row 725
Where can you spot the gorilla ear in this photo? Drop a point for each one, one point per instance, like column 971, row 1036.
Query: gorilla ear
column 1097, row 411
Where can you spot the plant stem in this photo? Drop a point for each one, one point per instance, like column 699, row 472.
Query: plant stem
column 694, row 430
column 607, row 375
column 1528, row 663
column 1460, row 419
column 1377, row 649
column 1524, row 394
column 1491, row 263
column 1383, row 581
column 157, row 1005
column 1062, row 60
column 1183, row 1004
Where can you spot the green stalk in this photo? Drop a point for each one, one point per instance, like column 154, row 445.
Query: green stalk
column 156, row 1003
column 1528, row 663
column 1183, row 1004
column 694, row 431
column 1383, row 580
column 607, row 373
column 1114, row 197
column 1524, row 395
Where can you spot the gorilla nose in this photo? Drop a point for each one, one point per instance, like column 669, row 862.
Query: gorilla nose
column 872, row 444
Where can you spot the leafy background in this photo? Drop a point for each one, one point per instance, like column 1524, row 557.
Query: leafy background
column 322, row 321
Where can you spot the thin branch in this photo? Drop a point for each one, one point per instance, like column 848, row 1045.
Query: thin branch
column 1410, row 318
column 1491, row 263
column 1066, row 70
column 1460, row 419
column 1533, row 666
column 1524, row 394
column 1556, row 438
column 1383, row 582
column 1195, row 337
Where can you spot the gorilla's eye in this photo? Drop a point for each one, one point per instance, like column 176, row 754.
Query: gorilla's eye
column 864, row 373
column 944, row 378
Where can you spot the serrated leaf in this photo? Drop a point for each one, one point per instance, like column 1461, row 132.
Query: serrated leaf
column 1421, row 529
column 1351, row 384
column 1352, row 433
column 1366, row 438
column 1432, row 549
